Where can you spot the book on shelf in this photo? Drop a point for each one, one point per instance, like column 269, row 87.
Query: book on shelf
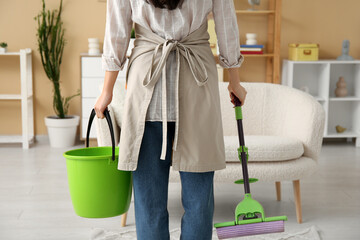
column 252, row 49
column 251, row 46
column 251, row 52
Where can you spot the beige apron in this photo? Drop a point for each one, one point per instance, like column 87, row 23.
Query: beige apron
column 198, row 142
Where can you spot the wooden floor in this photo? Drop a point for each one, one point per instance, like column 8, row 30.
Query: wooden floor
column 35, row 201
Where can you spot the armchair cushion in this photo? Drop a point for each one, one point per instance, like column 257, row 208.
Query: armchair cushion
column 264, row 148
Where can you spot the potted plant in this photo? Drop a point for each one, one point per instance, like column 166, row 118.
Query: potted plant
column 50, row 36
column 3, row 47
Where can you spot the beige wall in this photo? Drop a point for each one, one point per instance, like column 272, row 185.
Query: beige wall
column 326, row 22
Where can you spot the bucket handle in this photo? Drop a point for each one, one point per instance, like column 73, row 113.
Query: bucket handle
column 108, row 119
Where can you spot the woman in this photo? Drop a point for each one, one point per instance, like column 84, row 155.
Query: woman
column 173, row 84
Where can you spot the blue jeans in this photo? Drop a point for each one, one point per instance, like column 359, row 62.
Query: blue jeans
column 150, row 185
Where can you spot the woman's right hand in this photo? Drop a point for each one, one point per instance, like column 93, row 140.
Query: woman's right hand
column 238, row 90
column 102, row 103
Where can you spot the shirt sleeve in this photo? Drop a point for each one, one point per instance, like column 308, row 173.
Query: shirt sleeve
column 117, row 34
column 227, row 33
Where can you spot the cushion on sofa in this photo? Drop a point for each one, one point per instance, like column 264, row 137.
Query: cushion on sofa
column 264, row 148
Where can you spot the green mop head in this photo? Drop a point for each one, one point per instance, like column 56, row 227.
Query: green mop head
column 249, row 220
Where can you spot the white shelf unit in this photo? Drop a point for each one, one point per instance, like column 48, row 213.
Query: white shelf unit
column 321, row 77
column 26, row 97
column 92, row 77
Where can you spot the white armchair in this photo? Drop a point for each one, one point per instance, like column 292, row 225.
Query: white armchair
column 283, row 129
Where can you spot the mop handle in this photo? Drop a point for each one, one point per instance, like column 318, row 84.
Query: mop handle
column 238, row 114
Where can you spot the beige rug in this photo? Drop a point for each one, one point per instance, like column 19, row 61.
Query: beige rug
column 311, row 233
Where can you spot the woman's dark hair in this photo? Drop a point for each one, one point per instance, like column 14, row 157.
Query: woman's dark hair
column 169, row 4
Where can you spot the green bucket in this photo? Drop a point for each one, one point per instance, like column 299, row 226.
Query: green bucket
column 97, row 188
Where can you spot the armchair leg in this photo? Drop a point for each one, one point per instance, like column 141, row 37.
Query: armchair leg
column 278, row 190
column 296, row 187
column 123, row 219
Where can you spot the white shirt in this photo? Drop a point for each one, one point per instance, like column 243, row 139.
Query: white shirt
column 169, row 24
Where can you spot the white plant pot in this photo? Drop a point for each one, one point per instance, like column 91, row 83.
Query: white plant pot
column 3, row 50
column 62, row 131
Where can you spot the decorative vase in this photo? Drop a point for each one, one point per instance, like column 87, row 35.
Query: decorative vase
column 341, row 90
column 340, row 129
column 251, row 38
column 94, row 46
column 62, row 131
column 3, row 49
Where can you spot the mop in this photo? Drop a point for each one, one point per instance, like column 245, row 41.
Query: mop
column 249, row 214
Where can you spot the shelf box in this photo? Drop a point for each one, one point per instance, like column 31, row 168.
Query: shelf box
column 312, row 76
column 350, row 72
column 345, row 114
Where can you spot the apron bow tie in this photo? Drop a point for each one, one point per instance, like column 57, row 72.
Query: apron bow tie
column 197, row 68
